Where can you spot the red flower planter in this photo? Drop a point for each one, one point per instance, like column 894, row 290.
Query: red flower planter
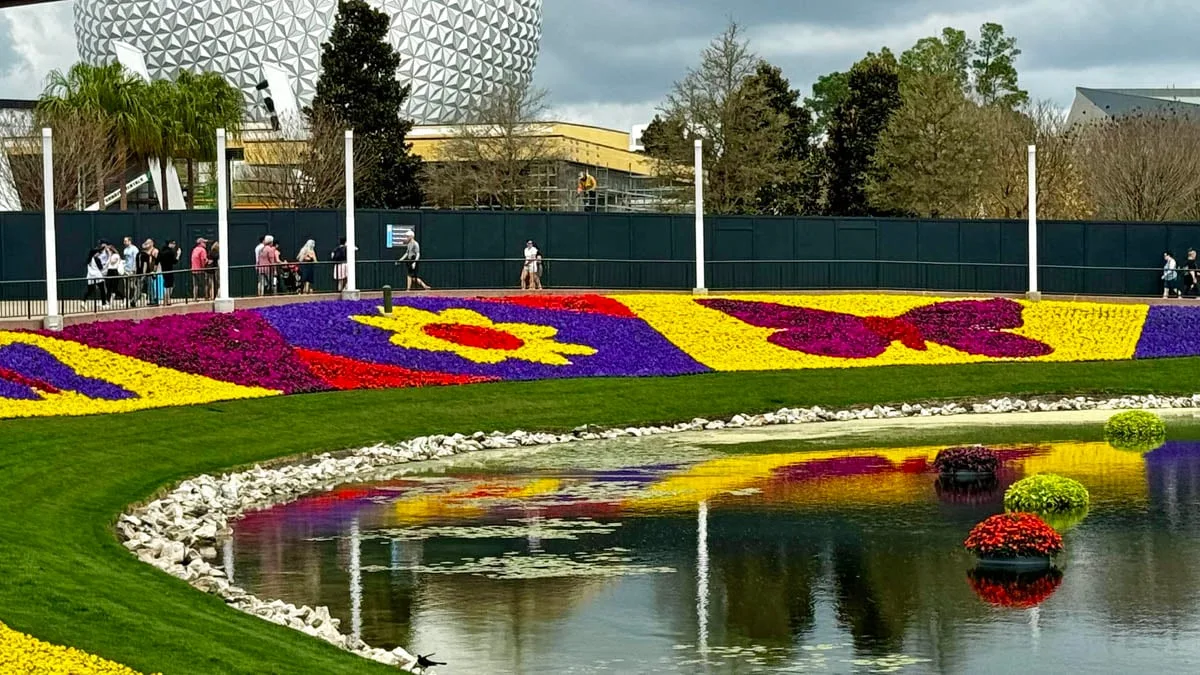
column 1014, row 539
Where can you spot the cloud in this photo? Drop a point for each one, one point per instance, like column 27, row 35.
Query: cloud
column 33, row 41
column 612, row 63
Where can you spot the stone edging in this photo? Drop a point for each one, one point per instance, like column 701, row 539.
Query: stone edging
column 179, row 533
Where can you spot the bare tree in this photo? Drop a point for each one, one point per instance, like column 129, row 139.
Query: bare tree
column 306, row 167
column 1007, row 134
column 721, row 101
column 83, row 159
column 500, row 156
column 1143, row 167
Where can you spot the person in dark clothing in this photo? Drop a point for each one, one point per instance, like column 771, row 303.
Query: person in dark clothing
column 168, row 258
column 1191, row 275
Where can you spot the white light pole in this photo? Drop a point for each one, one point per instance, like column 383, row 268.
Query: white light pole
column 700, row 288
column 53, row 320
column 1034, row 293
column 351, row 291
column 223, row 303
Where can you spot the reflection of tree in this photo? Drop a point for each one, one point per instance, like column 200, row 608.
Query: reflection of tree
column 765, row 582
column 859, row 609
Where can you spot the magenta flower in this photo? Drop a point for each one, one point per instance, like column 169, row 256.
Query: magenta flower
column 971, row 326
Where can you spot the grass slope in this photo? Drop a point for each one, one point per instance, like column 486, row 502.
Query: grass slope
column 63, row 481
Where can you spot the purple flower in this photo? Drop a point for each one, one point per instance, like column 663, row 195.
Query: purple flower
column 1169, row 330
column 624, row 346
column 240, row 347
column 39, row 364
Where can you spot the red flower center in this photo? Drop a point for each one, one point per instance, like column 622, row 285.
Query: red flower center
column 474, row 336
column 897, row 330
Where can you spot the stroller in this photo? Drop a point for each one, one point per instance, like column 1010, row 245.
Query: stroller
column 289, row 278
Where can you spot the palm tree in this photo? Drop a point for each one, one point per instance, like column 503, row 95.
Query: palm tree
column 169, row 139
column 108, row 93
column 207, row 103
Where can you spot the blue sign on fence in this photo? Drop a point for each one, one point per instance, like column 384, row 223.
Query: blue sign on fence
column 395, row 234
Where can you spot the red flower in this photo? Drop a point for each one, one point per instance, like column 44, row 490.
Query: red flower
column 1010, row 535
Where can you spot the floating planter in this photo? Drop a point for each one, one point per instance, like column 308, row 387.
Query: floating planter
column 1018, row 541
column 1046, row 493
column 1137, row 430
column 1015, row 590
column 969, row 463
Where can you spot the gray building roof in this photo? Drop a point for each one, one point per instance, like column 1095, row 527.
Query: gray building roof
column 1097, row 105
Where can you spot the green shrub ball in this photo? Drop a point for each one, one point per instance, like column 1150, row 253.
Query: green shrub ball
column 1046, row 493
column 1135, row 430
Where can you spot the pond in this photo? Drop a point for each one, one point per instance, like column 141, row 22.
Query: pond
column 654, row 555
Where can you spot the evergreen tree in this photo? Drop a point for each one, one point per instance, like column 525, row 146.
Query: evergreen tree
column 874, row 94
column 792, row 190
column 828, row 92
column 358, row 86
column 994, row 67
column 666, row 138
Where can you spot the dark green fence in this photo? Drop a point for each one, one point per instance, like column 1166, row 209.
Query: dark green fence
column 478, row 250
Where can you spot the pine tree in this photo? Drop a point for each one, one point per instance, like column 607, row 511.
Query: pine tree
column 358, row 86
column 874, row 94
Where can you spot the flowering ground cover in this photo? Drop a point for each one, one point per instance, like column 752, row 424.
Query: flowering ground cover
column 20, row 653
column 65, row 480
column 115, row 366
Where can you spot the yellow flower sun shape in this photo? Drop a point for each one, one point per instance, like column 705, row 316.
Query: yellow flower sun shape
column 474, row 336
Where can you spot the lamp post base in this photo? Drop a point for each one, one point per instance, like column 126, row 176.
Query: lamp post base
column 223, row 306
column 52, row 323
column 351, row 295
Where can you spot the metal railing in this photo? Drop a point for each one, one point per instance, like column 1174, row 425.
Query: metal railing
column 26, row 299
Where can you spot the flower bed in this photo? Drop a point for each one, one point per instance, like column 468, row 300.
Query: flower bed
column 973, row 459
column 1046, row 493
column 116, row 366
column 1013, row 535
column 1135, row 430
column 20, row 653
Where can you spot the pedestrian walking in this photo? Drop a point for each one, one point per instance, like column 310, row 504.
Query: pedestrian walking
column 411, row 261
column 531, row 272
column 1170, row 276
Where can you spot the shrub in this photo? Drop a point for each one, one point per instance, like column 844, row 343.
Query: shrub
column 1046, row 493
column 975, row 459
column 1135, row 430
column 1011, row 535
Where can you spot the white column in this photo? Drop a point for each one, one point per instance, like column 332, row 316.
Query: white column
column 699, row 169
column 53, row 320
column 702, row 578
column 351, row 292
column 1034, row 293
column 355, row 581
column 223, row 303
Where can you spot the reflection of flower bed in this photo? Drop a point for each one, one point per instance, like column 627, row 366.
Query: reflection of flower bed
column 986, row 490
column 430, row 340
column 1014, row 590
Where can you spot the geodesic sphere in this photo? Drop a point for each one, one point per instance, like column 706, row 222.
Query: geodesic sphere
column 452, row 51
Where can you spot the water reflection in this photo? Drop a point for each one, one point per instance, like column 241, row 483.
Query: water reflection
column 834, row 561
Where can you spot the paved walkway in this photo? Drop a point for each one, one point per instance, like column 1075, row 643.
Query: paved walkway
column 29, row 314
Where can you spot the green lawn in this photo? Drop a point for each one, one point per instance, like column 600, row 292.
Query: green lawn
column 65, row 579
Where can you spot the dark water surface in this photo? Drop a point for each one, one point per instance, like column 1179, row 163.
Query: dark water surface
column 616, row 559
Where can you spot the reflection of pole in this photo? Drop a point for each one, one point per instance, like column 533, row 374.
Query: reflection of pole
column 1034, row 630
column 355, row 582
column 227, row 558
column 702, row 576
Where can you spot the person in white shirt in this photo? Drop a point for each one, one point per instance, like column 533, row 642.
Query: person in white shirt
column 263, row 241
column 531, row 272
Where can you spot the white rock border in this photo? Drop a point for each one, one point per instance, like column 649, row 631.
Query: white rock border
column 179, row 533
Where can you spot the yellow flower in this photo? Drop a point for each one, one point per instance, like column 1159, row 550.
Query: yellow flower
column 152, row 386
column 20, row 653
column 1076, row 331
column 474, row 336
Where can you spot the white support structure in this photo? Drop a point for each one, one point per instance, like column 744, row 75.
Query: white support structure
column 10, row 200
column 223, row 303
column 351, row 291
column 134, row 60
column 1034, row 293
column 53, row 320
column 700, row 288
column 702, row 579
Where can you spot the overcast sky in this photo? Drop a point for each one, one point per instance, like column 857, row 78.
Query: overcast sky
column 611, row 63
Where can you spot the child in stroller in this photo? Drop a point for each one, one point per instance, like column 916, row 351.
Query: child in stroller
column 289, row 277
